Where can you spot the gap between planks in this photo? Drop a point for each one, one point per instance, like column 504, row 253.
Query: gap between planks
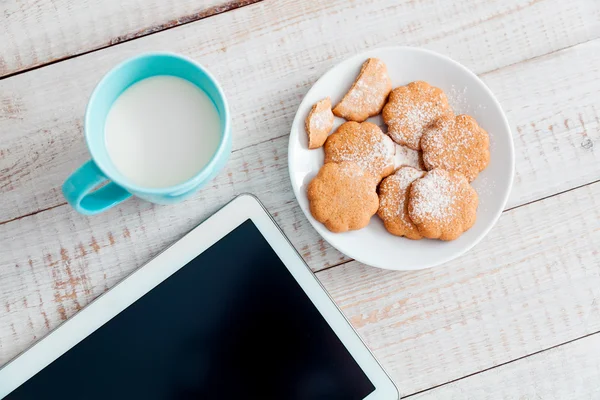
column 538, row 56
column 151, row 30
column 500, row 365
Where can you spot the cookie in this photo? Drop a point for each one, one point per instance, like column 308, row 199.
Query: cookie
column 368, row 93
column 343, row 196
column 412, row 108
column 442, row 204
column 319, row 123
column 457, row 144
column 364, row 144
column 393, row 204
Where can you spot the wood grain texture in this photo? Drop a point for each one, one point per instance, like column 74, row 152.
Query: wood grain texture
column 266, row 67
column 37, row 32
column 533, row 283
column 568, row 372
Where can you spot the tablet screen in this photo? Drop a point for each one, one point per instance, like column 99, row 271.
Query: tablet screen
column 231, row 324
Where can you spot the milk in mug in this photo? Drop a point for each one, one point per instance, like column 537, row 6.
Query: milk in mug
column 161, row 131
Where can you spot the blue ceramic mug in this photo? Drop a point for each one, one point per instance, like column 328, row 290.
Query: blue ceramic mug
column 78, row 189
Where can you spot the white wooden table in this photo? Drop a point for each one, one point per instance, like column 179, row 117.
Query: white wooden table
column 518, row 317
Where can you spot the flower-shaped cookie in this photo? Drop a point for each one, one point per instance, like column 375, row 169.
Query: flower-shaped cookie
column 364, row 144
column 456, row 144
column 343, row 196
column 412, row 108
column 442, row 204
column 393, row 202
column 368, row 93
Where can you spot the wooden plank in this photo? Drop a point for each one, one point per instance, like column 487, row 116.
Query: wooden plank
column 567, row 372
column 265, row 74
column 34, row 33
column 533, row 283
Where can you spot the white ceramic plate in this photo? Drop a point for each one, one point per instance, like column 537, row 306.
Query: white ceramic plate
column 373, row 245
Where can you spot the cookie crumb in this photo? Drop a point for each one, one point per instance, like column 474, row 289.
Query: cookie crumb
column 319, row 123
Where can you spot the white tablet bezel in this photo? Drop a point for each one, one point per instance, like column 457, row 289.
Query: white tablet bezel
column 140, row 282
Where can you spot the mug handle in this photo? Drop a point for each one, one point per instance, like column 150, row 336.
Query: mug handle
column 79, row 191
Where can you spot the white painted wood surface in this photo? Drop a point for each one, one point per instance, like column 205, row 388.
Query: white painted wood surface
column 38, row 32
column 532, row 284
column 563, row 373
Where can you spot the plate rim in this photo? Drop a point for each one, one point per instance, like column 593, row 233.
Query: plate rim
column 497, row 213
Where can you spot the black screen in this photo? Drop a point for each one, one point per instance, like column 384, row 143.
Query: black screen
column 231, row 324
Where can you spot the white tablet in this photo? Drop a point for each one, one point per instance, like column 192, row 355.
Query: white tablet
column 230, row 311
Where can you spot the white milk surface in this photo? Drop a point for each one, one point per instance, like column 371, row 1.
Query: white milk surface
column 162, row 131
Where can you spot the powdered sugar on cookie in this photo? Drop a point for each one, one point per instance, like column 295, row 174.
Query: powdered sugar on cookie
column 442, row 204
column 393, row 208
column 457, row 144
column 348, row 170
column 364, row 144
column 410, row 109
column 368, row 93
column 402, row 179
column 436, row 195
column 319, row 123
column 368, row 153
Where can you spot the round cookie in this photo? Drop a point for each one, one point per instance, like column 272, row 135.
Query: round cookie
column 442, row 204
column 343, row 196
column 410, row 109
column 393, row 204
column 364, row 144
column 456, row 144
